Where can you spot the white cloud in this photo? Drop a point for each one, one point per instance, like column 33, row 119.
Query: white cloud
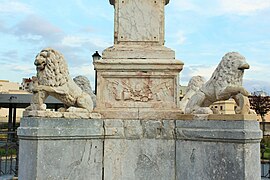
column 180, row 37
column 23, row 68
column 100, row 43
column 12, row 6
column 194, row 70
column 31, row 37
column 74, row 41
column 95, row 12
column 36, row 25
column 222, row 7
column 84, row 70
column 258, row 71
column 253, row 85
column 79, row 41
column 244, row 7
column 205, row 71
column 184, row 5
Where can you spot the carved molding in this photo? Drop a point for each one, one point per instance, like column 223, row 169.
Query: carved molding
column 113, row 1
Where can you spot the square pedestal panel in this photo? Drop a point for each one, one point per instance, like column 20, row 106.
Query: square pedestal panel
column 137, row 88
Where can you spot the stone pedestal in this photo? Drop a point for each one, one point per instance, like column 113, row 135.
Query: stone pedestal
column 58, row 148
column 218, row 149
column 137, row 89
column 137, row 78
column 105, row 149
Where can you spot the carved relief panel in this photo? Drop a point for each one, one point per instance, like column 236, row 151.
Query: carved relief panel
column 139, row 92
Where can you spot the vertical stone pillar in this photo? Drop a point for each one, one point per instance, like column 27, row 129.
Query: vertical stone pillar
column 137, row 78
column 139, row 22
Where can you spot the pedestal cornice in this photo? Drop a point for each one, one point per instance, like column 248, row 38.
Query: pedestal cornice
column 113, row 1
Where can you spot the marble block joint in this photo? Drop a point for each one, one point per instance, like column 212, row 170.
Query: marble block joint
column 98, row 149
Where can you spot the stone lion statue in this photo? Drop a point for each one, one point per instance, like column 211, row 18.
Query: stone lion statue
column 194, row 84
column 225, row 83
column 84, row 84
column 53, row 79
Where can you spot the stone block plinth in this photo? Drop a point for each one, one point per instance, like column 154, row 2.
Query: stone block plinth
column 218, row 149
column 110, row 149
column 58, row 148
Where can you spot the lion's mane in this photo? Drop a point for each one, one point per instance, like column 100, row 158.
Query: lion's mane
column 195, row 83
column 55, row 72
column 227, row 72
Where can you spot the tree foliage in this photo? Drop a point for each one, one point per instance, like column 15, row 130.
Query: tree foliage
column 260, row 102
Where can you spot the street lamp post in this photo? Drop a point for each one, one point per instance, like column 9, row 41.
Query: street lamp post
column 96, row 57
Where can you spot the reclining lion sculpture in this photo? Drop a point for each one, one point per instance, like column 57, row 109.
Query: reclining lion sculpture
column 194, row 84
column 225, row 83
column 84, row 84
column 53, row 79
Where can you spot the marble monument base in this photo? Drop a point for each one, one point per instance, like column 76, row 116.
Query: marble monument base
column 108, row 149
column 138, row 88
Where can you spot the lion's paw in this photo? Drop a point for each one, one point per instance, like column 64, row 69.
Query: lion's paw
column 34, row 107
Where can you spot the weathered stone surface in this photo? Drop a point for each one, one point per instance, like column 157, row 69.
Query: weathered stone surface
column 80, row 160
column 138, row 52
column 140, row 113
column 58, row 148
column 138, row 129
column 133, row 24
column 233, row 117
column 94, row 115
column 218, row 150
column 138, row 86
column 139, row 159
column 135, row 149
column 114, row 128
column 76, row 115
column 58, row 114
column 57, row 128
column 28, row 160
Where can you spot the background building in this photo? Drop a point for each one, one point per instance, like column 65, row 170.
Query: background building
column 26, row 84
column 182, row 92
column 7, row 87
column 225, row 107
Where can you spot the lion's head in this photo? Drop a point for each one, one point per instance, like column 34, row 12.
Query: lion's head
column 230, row 70
column 51, row 68
column 83, row 83
column 195, row 83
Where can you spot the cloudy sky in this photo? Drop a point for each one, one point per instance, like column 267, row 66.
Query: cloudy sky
column 200, row 31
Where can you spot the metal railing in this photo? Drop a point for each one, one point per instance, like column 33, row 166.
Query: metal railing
column 265, row 168
column 9, row 153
